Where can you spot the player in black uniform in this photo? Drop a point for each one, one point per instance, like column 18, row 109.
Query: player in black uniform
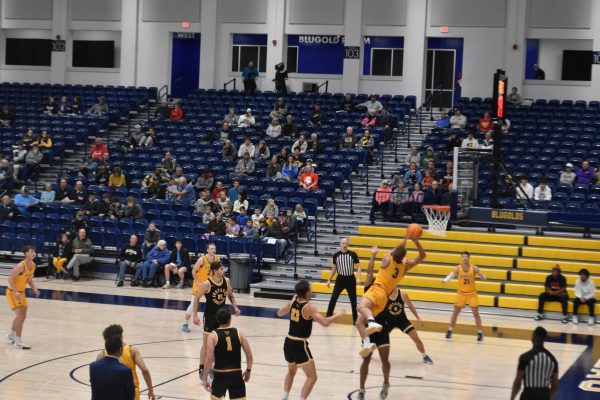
column 224, row 347
column 215, row 289
column 296, row 351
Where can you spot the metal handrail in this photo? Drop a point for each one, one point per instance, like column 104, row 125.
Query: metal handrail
column 160, row 94
column 228, row 82
column 326, row 84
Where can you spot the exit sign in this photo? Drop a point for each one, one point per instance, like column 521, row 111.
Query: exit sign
column 185, row 24
column 444, row 29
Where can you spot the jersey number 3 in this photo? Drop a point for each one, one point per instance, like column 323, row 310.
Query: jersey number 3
column 295, row 315
column 396, row 273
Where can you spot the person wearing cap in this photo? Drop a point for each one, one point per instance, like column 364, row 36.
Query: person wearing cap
column 280, row 109
column 555, row 290
column 100, row 108
column 309, row 179
column 136, row 136
column 249, row 75
column 429, row 156
column 372, row 105
column 25, row 201
column 274, row 129
column 176, row 113
column 230, row 118
column 246, row 120
column 289, row 128
column 246, row 147
column 381, row 201
column 543, row 191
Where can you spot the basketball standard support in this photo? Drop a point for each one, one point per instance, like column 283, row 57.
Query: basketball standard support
column 500, row 85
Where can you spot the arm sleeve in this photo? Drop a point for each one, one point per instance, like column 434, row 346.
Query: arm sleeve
column 355, row 258
column 548, row 281
column 334, row 259
column 522, row 363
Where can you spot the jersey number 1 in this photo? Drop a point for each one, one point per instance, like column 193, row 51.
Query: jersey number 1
column 229, row 346
column 295, row 315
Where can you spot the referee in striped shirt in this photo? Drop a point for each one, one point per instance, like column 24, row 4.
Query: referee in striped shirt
column 343, row 263
column 538, row 369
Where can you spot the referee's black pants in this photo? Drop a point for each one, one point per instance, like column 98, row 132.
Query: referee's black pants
column 535, row 394
column 343, row 282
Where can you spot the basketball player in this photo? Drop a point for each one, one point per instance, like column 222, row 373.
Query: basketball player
column 20, row 276
column 131, row 358
column 296, row 351
column 200, row 273
column 394, row 266
column 466, row 294
column 224, row 347
column 215, row 289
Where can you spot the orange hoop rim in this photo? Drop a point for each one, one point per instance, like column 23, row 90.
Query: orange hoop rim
column 438, row 208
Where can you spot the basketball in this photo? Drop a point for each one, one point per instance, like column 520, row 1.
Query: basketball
column 414, row 231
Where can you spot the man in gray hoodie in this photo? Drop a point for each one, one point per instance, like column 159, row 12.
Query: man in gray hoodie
column 83, row 251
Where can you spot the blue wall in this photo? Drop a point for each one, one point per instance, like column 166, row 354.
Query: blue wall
column 455, row 44
column 532, row 52
column 380, row 42
column 249, row 39
column 316, row 57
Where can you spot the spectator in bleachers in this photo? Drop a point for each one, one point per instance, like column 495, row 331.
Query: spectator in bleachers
column 227, row 213
column 151, row 237
column 218, row 189
column 178, row 173
column 76, row 105
column 246, row 120
column 525, row 187
column 204, row 200
column 77, row 223
column 309, row 164
column 309, row 179
column 229, row 152
column 249, row 75
column 278, row 232
column 300, row 215
column 102, row 175
column 149, row 138
column 224, row 134
column 100, row 108
column 585, row 174
column 34, row 158
column 50, row 107
column 315, row 117
column 163, row 111
column 6, row 174
column 208, row 215
column 300, row 144
column 135, row 137
column 388, row 123
column 205, row 181
column 44, row 141
column 87, row 166
column 179, row 263
column 401, row 196
column 256, row 216
column 298, row 158
column 597, row 175
column 7, row 117
column 130, row 257
column 78, row 193
column 156, row 258
column 116, row 208
column 117, row 178
column 470, row 142
column 443, row 122
column 514, row 97
column 92, row 205
column 485, row 123
column 223, row 200
column 555, row 289
column 372, row 105
column 274, row 129
column 248, row 231
column 262, row 153
column 262, row 231
column 47, row 195
column 585, row 293
column 427, row 178
column 234, row 190
column 240, row 202
column 232, row 229
column 413, row 175
column 435, row 194
column 289, row 170
column 246, row 147
column 280, row 109
column 542, row 192
column 415, row 199
column 216, row 226
column 290, row 222
column 539, row 73
column 458, row 121
column 186, row 190
column 83, row 252
column 429, row 156
column 431, row 168
column 132, row 209
column 368, row 143
column 230, row 118
column 274, row 168
column 449, row 174
column 104, row 205
column 176, row 113
column 98, row 150
column 242, row 217
column 452, row 142
column 8, row 211
column 282, row 156
column 28, row 138
column 413, row 157
column 488, row 142
column 245, row 166
column 381, row 201
column 64, row 107
column 63, row 193
column 314, row 147
column 347, row 103
column 271, row 207
column 270, row 219
column 370, row 119
column 19, row 154
column 289, row 129
column 168, row 163
column 62, row 253
column 153, row 183
column 349, row 139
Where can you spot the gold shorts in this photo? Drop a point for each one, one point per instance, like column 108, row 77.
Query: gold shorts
column 462, row 299
column 13, row 303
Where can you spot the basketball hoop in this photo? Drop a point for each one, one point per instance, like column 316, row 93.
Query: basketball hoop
column 438, row 217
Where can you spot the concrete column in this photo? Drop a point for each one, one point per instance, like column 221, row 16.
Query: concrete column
column 129, row 41
column 59, row 62
column 415, row 45
column 514, row 34
column 275, row 32
column 352, row 37
column 596, row 46
column 208, row 49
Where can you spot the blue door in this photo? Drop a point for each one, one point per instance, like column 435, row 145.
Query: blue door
column 185, row 63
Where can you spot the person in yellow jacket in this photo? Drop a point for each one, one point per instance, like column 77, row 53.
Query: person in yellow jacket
column 20, row 276
column 131, row 358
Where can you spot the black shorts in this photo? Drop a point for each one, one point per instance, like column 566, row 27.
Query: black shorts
column 210, row 322
column 231, row 382
column 535, row 394
column 404, row 325
column 380, row 339
column 296, row 351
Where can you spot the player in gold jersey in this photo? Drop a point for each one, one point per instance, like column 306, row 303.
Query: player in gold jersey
column 466, row 293
column 394, row 267
column 20, row 276
column 131, row 358
column 200, row 273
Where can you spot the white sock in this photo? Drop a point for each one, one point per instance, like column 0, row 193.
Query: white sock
column 168, row 283
column 286, row 395
column 450, row 329
column 185, row 322
column 366, row 342
column 424, row 354
column 479, row 331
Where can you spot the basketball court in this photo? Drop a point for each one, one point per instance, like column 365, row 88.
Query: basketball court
column 64, row 329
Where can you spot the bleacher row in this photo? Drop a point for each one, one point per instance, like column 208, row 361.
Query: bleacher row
column 515, row 265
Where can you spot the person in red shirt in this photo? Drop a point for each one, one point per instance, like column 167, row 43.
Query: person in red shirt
column 218, row 189
column 485, row 123
column 309, row 179
column 99, row 150
column 381, row 201
column 176, row 113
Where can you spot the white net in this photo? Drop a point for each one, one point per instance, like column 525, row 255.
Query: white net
column 438, row 218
